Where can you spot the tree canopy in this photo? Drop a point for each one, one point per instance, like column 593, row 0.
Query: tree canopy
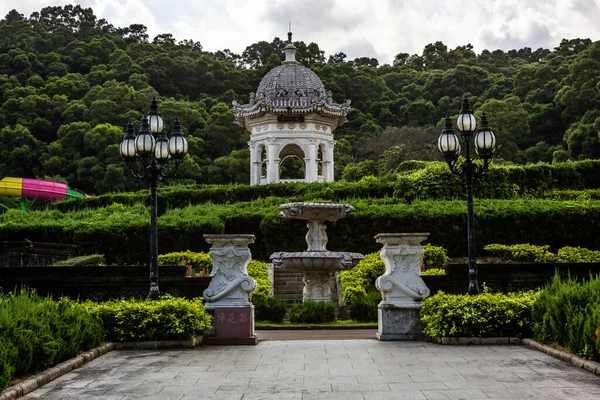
column 70, row 81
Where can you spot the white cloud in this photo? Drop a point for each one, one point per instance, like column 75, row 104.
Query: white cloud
column 376, row 28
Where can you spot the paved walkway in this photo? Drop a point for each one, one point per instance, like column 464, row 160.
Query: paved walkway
column 328, row 369
column 316, row 334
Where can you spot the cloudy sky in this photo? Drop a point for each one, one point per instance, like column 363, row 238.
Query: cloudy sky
column 359, row 28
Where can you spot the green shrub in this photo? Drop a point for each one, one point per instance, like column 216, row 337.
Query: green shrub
column 364, row 307
column 36, row 333
column 312, row 312
column 93, row 260
column 260, row 272
column 577, row 254
column 568, row 313
column 433, row 272
column 521, row 252
column 200, row 262
column 163, row 319
column 267, row 308
column 482, row 315
column 434, row 255
column 356, row 282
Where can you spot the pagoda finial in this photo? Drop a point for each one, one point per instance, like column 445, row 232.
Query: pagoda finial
column 290, row 32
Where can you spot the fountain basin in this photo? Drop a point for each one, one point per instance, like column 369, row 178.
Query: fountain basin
column 316, row 211
column 316, row 261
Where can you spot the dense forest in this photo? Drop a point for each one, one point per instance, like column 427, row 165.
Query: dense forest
column 69, row 82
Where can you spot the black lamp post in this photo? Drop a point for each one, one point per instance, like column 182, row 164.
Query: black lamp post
column 484, row 144
column 147, row 156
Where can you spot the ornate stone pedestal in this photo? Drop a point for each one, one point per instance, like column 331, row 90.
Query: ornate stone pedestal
column 227, row 294
column 401, row 286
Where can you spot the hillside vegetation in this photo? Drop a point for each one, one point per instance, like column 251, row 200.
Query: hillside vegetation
column 69, row 82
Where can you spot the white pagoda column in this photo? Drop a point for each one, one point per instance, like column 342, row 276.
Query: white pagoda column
column 272, row 167
column 328, row 166
column 254, row 165
column 311, row 163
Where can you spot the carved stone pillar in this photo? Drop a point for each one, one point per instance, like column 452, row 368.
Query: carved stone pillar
column 401, row 286
column 227, row 294
column 272, row 164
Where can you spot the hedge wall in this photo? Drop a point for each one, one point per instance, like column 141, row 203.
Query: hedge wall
column 430, row 180
column 121, row 232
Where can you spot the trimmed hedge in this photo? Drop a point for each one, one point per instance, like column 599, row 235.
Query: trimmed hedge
column 312, row 312
column 37, row 333
column 163, row 319
column 267, row 308
column 521, row 252
column 92, row 260
column 481, row 315
column 540, row 254
column 416, row 180
column 120, row 235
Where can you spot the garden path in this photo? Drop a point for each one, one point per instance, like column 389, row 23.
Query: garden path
column 326, row 369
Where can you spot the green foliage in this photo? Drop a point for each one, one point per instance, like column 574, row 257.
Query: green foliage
column 163, row 319
column 267, row 308
column 434, row 255
column 433, row 272
column 36, row 333
column 312, row 312
column 364, row 307
column 481, row 315
column 577, row 254
column 116, row 233
column 360, row 280
column 568, row 313
column 521, row 252
column 260, row 272
column 92, row 260
column 198, row 261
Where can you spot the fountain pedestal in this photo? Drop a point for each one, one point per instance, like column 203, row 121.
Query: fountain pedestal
column 227, row 294
column 401, row 286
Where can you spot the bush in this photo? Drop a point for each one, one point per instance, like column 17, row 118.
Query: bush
column 577, row 254
column 36, row 333
column 434, row 255
column 312, row 312
column 521, row 252
column 267, row 308
column 433, row 272
column 481, row 315
column 260, row 272
column 200, row 262
column 356, row 282
column 93, row 260
column 568, row 313
column 163, row 319
column 364, row 307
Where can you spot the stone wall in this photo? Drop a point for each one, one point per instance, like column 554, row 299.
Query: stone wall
column 101, row 283
column 32, row 254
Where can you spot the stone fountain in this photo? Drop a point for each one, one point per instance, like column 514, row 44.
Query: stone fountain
column 317, row 263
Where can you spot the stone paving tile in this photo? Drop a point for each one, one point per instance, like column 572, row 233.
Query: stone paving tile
column 327, row 369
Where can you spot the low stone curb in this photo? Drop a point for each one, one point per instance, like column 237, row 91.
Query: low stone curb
column 479, row 341
column 35, row 382
column 159, row 344
column 577, row 361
